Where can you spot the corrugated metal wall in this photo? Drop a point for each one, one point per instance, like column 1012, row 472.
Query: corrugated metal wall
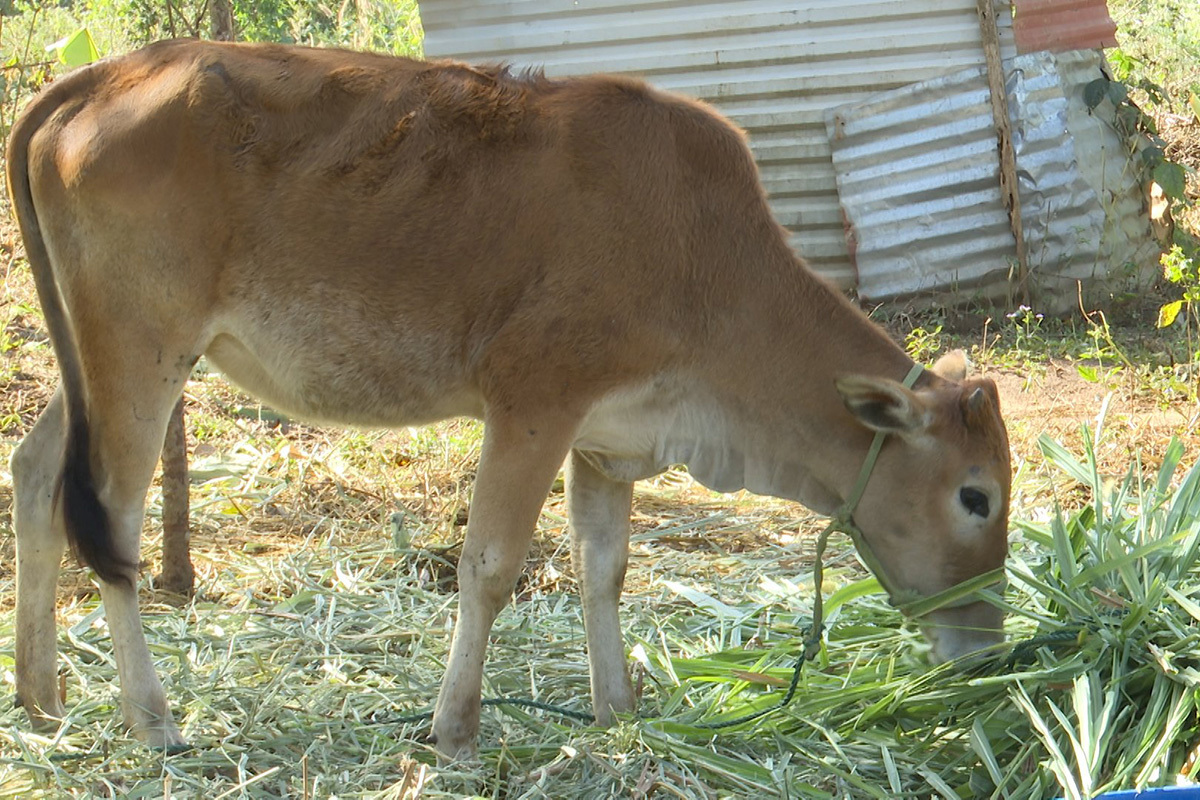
column 774, row 67
column 918, row 177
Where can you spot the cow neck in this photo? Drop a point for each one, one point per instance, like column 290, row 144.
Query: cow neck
column 804, row 337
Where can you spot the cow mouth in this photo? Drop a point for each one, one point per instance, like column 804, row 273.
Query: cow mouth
column 963, row 634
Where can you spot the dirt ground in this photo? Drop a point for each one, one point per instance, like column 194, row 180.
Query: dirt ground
column 1056, row 401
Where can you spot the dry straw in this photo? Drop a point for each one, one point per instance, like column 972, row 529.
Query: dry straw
column 290, row 667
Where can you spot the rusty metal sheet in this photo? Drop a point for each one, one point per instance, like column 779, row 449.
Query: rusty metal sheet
column 1063, row 25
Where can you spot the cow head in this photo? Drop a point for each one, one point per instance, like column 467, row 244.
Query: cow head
column 935, row 510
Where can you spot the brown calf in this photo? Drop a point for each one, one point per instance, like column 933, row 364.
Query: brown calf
column 588, row 265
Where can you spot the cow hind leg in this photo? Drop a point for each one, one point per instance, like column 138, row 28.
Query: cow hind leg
column 130, row 405
column 134, row 378
column 518, row 463
column 41, row 542
column 598, row 509
column 178, row 574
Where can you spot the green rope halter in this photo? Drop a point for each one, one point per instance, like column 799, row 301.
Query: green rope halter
column 909, row 602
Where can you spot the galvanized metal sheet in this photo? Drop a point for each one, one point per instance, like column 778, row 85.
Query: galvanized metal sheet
column 1063, row 25
column 773, row 66
column 1095, row 180
column 918, row 174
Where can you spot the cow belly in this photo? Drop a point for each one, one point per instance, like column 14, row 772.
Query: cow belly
column 344, row 388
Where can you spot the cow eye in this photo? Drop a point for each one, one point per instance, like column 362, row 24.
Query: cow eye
column 974, row 501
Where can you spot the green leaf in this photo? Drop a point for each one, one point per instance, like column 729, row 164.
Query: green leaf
column 1116, row 92
column 1130, row 118
column 76, row 49
column 983, row 748
column 1168, row 313
column 1152, row 156
column 1063, row 547
column 1155, row 92
column 1058, row 455
column 1170, row 463
column 1088, row 373
column 1122, row 63
column 1194, row 104
column 1089, row 576
column 1185, row 602
column 1185, row 509
column 1095, row 92
column 971, row 586
column 260, row 413
column 853, row 591
column 1171, row 178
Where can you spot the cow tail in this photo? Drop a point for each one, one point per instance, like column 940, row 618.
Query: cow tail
column 88, row 524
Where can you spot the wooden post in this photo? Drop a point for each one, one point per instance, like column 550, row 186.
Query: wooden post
column 178, row 574
column 1009, row 189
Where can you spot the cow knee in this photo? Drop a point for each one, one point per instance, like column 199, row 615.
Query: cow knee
column 601, row 568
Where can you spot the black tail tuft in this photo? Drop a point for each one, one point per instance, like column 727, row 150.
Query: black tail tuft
column 89, row 528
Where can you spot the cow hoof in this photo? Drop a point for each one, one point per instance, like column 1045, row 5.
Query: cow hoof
column 466, row 757
column 43, row 719
column 164, row 737
column 607, row 710
column 182, row 584
column 453, row 750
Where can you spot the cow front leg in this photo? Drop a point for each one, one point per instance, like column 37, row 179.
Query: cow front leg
column 41, row 542
column 598, row 510
column 518, row 463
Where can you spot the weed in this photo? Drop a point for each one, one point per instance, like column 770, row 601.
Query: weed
column 1104, row 348
column 1181, row 270
column 923, row 344
column 1027, row 325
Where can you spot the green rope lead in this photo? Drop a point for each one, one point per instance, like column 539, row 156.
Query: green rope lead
column 1025, row 649
column 812, row 645
column 492, row 702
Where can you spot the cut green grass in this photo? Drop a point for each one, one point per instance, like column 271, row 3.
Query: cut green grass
column 289, row 672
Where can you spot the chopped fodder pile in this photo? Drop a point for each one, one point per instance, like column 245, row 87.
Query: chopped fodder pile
column 292, row 671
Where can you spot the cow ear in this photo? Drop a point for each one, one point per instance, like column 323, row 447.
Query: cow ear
column 954, row 366
column 883, row 405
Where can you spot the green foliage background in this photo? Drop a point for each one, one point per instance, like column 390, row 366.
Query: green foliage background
column 27, row 27
column 392, row 26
